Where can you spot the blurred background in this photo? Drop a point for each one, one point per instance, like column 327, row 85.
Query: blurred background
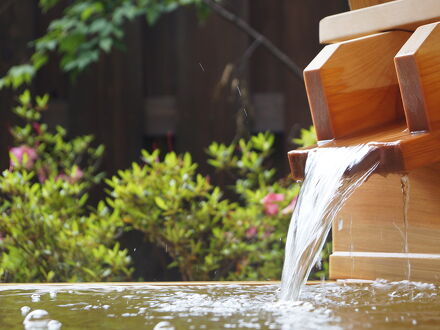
column 178, row 84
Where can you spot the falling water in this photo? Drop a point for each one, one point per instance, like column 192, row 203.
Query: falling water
column 404, row 181
column 325, row 189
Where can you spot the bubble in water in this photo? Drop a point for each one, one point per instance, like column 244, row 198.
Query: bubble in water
column 25, row 310
column 38, row 318
column 164, row 325
column 53, row 294
column 35, row 297
column 54, row 325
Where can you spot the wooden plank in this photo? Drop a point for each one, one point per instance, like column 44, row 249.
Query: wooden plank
column 393, row 267
column 418, row 66
column 367, row 216
column 357, row 4
column 395, row 15
column 352, row 86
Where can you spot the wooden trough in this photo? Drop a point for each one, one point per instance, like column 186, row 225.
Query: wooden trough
column 382, row 89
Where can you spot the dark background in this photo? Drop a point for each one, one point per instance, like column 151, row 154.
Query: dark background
column 163, row 90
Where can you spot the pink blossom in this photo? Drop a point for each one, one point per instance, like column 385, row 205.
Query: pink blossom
column 270, row 203
column 272, row 197
column 76, row 175
column 251, row 232
column 17, row 157
column 289, row 208
column 271, row 209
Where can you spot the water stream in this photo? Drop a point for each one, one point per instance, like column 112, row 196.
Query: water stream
column 404, row 180
column 325, row 189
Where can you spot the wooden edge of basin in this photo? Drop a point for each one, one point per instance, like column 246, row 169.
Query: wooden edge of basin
column 189, row 283
column 136, row 284
column 405, row 15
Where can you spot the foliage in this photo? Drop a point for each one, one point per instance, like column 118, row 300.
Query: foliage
column 207, row 236
column 307, row 138
column 56, row 157
column 46, row 232
column 86, row 30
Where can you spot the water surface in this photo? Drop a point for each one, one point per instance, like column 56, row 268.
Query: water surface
column 344, row 305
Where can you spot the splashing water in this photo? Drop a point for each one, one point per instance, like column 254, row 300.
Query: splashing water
column 325, row 189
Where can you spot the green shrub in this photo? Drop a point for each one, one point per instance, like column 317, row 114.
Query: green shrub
column 208, row 236
column 46, row 231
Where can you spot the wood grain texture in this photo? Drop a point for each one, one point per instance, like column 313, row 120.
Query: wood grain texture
column 369, row 233
column 357, row 4
column 418, row 67
column 391, row 268
column 395, row 15
column 352, row 86
column 372, row 220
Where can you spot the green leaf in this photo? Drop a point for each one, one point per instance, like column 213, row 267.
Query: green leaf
column 161, row 203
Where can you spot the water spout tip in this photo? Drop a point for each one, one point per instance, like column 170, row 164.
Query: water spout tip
column 387, row 156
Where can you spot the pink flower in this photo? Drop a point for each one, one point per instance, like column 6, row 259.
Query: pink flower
column 17, row 157
column 76, row 175
column 270, row 203
column 289, row 208
column 251, row 232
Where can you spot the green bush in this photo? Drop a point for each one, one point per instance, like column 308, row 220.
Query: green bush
column 47, row 232
column 208, row 236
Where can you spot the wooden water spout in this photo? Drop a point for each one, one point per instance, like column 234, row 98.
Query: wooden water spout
column 383, row 89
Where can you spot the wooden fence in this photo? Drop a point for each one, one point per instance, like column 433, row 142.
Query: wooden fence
column 170, row 87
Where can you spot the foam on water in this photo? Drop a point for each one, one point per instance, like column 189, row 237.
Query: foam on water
column 325, row 189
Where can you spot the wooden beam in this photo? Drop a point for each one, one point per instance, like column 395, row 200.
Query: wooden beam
column 418, row 67
column 352, row 86
column 405, row 15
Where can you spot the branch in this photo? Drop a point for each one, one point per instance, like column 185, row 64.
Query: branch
column 245, row 27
